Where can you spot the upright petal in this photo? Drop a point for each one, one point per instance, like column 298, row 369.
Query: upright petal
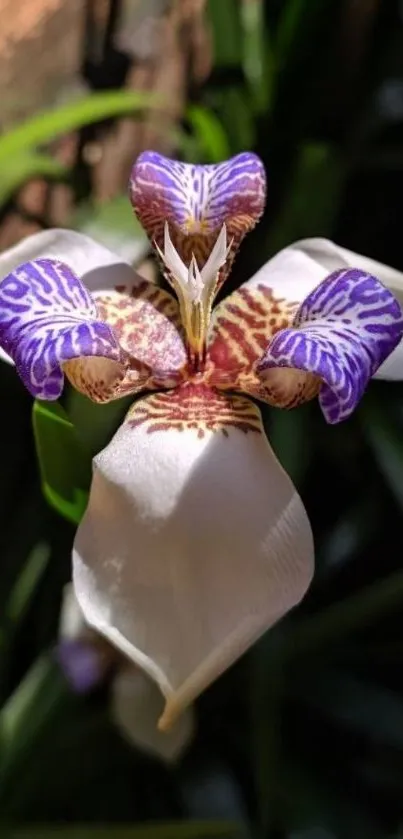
column 48, row 318
column 194, row 541
column 342, row 333
column 196, row 201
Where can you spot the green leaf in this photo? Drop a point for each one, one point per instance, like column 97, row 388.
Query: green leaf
column 354, row 703
column 209, row 134
column 180, row 830
column 289, row 26
column 267, row 692
column 290, row 435
column 385, row 436
column 313, row 197
column 352, row 532
column 236, row 111
column 65, row 465
column 348, row 615
column 52, row 124
column 226, row 26
column 28, row 710
column 27, row 581
column 22, row 167
column 94, row 425
column 258, row 57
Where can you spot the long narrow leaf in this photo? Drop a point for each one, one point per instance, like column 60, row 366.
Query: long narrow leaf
column 52, row 124
column 348, row 615
column 64, row 463
column 209, row 134
column 27, row 165
column 26, row 583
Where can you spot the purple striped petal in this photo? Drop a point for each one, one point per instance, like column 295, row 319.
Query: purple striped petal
column 197, row 200
column 342, row 333
column 48, row 317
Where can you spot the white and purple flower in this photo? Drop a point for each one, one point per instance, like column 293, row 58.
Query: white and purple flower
column 194, row 541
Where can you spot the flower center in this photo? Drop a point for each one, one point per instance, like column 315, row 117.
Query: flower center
column 195, row 288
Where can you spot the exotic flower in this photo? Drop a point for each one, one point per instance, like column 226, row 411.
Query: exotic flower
column 194, row 541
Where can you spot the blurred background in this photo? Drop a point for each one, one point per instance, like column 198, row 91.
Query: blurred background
column 302, row 738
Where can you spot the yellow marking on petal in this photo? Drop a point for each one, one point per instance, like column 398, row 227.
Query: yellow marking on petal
column 285, row 387
column 196, row 226
column 242, row 326
column 98, row 378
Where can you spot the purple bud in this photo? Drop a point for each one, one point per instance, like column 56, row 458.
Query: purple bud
column 82, row 663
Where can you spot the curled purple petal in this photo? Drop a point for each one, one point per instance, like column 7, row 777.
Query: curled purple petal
column 197, row 200
column 82, row 664
column 342, row 332
column 47, row 317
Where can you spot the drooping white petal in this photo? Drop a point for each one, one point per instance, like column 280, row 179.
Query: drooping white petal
column 296, row 270
column 194, row 541
column 96, row 266
column 137, row 704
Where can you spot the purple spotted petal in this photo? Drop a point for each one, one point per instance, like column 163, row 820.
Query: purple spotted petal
column 197, row 200
column 48, row 317
column 342, row 332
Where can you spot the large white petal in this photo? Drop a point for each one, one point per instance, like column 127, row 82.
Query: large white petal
column 194, row 543
column 136, row 702
column 94, row 264
column 296, row 270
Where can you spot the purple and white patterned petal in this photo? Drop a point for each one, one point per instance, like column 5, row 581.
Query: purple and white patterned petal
column 342, row 332
column 196, row 201
column 48, row 317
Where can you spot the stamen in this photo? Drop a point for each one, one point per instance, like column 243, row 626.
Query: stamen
column 195, row 282
column 195, row 288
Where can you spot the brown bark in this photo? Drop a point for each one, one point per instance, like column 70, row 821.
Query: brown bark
column 169, row 49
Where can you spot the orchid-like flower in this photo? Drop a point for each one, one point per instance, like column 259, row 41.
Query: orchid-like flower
column 195, row 541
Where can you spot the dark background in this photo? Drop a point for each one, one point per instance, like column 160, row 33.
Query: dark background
column 303, row 738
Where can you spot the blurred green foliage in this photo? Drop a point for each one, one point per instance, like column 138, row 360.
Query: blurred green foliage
column 302, row 739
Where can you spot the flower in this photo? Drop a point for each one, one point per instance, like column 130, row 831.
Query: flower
column 194, row 541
